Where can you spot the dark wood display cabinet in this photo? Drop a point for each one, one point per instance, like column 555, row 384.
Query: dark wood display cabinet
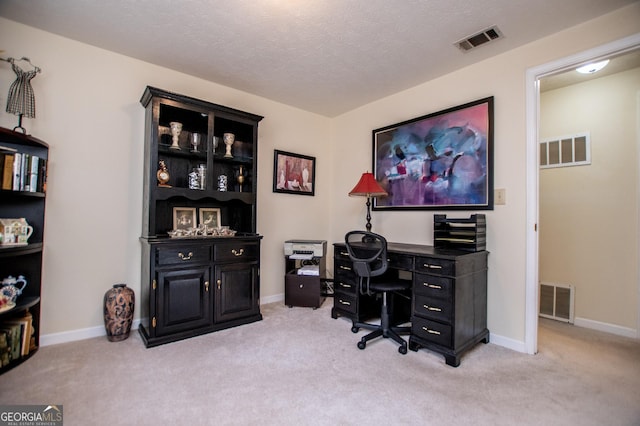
column 27, row 200
column 200, row 282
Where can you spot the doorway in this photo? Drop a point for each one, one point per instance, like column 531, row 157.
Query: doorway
column 534, row 76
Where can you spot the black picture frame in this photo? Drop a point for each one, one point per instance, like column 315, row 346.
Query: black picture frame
column 294, row 173
column 439, row 161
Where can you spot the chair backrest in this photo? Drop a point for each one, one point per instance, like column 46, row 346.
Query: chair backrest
column 368, row 252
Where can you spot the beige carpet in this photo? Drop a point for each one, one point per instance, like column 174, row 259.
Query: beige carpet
column 300, row 366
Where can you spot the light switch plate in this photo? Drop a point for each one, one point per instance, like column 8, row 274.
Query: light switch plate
column 500, row 196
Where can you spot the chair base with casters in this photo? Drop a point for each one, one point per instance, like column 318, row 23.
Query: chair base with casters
column 384, row 329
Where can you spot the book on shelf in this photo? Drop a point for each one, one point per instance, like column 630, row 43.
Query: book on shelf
column 26, row 326
column 14, row 339
column 23, row 172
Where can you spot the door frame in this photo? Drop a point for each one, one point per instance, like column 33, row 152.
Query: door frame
column 533, row 76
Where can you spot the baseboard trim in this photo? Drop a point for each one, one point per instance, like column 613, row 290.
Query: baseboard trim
column 505, row 342
column 606, row 327
column 91, row 332
column 75, row 335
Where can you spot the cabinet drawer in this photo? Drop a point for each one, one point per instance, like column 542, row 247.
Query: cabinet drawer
column 345, row 302
column 433, row 286
column 432, row 331
column 238, row 251
column 341, row 253
column 183, row 255
column 437, row 309
column 436, row 266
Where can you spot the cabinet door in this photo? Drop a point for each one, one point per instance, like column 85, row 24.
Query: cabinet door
column 184, row 300
column 237, row 291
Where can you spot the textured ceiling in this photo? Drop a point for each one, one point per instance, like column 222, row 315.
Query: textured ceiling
column 323, row 56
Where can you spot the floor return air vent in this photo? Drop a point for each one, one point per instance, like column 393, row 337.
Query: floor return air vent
column 556, row 301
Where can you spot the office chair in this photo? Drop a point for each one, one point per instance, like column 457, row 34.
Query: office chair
column 368, row 252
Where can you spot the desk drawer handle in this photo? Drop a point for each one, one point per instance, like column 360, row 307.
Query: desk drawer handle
column 431, row 308
column 346, row 268
column 342, row 302
column 426, row 265
column 341, row 284
column 431, row 331
column 344, row 253
column 187, row 257
column 237, row 252
column 437, row 287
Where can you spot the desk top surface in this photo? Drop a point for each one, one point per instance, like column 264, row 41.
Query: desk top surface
column 423, row 250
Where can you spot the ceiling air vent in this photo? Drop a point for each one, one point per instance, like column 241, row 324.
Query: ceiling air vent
column 485, row 36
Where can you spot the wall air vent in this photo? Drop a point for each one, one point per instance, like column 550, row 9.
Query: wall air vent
column 484, row 36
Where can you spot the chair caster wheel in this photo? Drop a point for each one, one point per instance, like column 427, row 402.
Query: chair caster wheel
column 362, row 345
column 403, row 350
column 355, row 329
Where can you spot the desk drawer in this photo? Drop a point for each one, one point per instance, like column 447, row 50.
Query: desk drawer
column 182, row 255
column 345, row 286
column 431, row 331
column 346, row 302
column 435, row 266
column 437, row 309
column 344, row 268
column 400, row 261
column 433, row 286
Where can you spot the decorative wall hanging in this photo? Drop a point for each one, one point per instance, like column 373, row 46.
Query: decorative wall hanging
column 440, row 161
column 21, row 100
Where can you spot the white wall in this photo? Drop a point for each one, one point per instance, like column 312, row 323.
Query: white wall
column 504, row 78
column 89, row 113
column 588, row 214
column 88, row 110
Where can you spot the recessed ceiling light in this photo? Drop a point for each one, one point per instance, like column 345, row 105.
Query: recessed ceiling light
column 592, row 67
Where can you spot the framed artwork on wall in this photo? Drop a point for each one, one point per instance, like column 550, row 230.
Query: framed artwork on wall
column 293, row 173
column 439, row 161
column 184, row 217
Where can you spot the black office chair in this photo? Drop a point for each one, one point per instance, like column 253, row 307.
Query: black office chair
column 368, row 252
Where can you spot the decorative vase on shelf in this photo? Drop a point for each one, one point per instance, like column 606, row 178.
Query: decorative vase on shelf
column 240, row 178
column 176, row 129
column 119, row 304
column 228, row 139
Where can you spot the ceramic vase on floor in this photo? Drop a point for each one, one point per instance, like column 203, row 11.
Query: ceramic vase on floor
column 119, row 304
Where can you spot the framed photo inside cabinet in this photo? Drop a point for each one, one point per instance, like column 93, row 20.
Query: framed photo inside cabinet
column 209, row 217
column 440, row 161
column 184, row 217
column 294, row 173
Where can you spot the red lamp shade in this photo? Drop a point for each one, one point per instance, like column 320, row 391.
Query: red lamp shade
column 368, row 187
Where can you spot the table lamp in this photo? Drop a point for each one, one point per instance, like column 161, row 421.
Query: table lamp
column 368, row 187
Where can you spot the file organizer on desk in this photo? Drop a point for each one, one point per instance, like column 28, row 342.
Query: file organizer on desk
column 460, row 234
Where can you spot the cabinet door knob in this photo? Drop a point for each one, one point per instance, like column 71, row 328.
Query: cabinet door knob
column 206, row 286
column 187, row 257
column 219, row 282
column 237, row 252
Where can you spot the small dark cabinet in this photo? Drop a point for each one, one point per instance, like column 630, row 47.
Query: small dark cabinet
column 193, row 285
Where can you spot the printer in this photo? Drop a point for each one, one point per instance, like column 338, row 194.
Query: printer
column 308, row 255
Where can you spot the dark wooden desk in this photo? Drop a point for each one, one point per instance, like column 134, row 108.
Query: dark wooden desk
column 448, row 300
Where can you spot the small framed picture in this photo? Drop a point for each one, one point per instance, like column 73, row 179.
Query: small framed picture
column 209, row 217
column 184, row 217
column 294, row 173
